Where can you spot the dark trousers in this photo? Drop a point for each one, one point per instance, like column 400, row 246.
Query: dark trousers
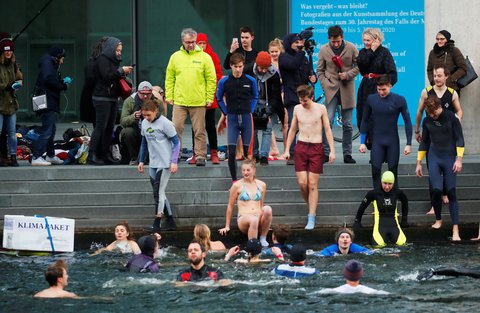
column 106, row 113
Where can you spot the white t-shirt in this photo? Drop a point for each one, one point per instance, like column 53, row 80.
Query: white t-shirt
column 358, row 289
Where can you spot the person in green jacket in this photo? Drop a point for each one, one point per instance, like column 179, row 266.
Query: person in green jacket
column 190, row 85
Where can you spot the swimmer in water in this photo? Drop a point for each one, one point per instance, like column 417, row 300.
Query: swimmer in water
column 254, row 251
column 449, row 271
column 296, row 268
column 57, row 277
column 353, row 272
column 249, row 193
column 344, row 245
column 145, row 261
column 124, row 242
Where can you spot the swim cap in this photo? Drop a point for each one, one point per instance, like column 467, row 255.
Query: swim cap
column 298, row 253
column 353, row 270
column 254, row 247
column 388, row 177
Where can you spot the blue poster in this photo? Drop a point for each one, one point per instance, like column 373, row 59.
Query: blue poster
column 402, row 23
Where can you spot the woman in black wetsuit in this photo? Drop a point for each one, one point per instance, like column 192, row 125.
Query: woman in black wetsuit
column 386, row 228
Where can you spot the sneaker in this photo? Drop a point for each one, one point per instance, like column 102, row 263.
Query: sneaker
column 192, row 160
column 133, row 162
column 263, row 160
column 40, row 162
column 221, row 155
column 200, row 161
column 291, row 161
column 348, row 159
column 54, row 160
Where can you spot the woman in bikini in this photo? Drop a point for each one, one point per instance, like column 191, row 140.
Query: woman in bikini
column 249, row 193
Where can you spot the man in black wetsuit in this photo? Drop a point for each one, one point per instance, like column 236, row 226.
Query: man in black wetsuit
column 443, row 143
column 198, row 269
column 386, row 227
column 385, row 107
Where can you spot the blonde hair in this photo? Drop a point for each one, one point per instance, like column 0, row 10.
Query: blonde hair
column 201, row 234
column 277, row 43
column 375, row 33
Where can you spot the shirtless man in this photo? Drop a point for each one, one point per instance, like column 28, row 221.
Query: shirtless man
column 450, row 101
column 311, row 119
column 57, row 277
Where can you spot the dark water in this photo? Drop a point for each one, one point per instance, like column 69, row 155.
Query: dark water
column 254, row 288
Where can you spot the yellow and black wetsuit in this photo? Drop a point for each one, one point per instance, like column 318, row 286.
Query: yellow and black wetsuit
column 386, row 227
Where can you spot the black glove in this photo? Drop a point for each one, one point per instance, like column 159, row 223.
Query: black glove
column 9, row 87
column 357, row 224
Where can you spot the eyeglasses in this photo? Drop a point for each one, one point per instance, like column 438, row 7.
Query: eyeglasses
column 144, row 94
column 441, row 39
column 189, row 42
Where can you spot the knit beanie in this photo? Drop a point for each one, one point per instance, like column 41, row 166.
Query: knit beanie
column 446, row 34
column 263, row 59
column 6, row 43
column 145, row 86
column 202, row 37
column 353, row 270
column 57, row 52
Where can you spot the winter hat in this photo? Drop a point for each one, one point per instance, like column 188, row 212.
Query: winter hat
column 353, row 270
column 6, row 43
column 57, row 52
column 263, row 59
column 145, row 86
column 202, row 37
column 147, row 245
column 298, row 253
column 446, row 34
column 344, row 231
column 388, row 177
column 254, row 247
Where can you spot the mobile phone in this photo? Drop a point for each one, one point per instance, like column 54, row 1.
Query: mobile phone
column 235, row 40
column 133, row 65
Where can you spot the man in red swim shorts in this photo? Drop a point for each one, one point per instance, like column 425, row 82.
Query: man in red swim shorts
column 311, row 120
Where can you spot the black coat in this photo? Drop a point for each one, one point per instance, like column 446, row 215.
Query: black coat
column 107, row 77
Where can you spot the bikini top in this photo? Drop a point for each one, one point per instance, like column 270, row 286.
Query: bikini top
column 244, row 196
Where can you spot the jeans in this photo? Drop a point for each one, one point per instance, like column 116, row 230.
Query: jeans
column 46, row 136
column 290, row 118
column 266, row 140
column 10, row 122
column 346, row 125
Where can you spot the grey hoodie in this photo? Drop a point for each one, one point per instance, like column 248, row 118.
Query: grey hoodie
column 109, row 47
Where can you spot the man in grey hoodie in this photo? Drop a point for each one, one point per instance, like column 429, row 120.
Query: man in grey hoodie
column 269, row 102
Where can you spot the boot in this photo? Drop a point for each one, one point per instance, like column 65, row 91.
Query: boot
column 13, row 160
column 214, row 156
column 169, row 224
column 155, row 228
column 193, row 160
column 2, row 162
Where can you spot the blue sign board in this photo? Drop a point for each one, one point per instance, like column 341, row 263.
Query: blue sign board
column 402, row 23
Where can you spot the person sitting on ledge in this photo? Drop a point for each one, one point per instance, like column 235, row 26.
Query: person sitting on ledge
column 57, row 277
column 344, row 245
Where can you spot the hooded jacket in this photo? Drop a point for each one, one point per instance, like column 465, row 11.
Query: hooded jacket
column 8, row 99
column 190, row 79
column 294, row 69
column 108, row 72
column 270, row 90
column 216, row 62
column 451, row 58
column 49, row 82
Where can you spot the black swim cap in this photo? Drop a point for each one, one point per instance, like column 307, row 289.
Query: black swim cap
column 147, row 245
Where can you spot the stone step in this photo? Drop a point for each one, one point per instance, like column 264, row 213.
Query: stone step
column 204, row 184
column 88, row 172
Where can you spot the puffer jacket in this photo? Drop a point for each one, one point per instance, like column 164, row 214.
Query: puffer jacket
column 451, row 58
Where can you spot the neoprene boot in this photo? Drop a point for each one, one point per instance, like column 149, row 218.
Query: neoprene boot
column 169, row 223
column 214, row 156
column 13, row 160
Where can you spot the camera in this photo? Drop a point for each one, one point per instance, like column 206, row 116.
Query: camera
column 310, row 43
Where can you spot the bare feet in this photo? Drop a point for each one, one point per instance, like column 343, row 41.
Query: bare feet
column 431, row 212
column 437, row 225
column 455, row 234
column 475, row 239
column 445, row 199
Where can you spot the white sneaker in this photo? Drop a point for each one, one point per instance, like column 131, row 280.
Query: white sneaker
column 40, row 162
column 54, row 160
